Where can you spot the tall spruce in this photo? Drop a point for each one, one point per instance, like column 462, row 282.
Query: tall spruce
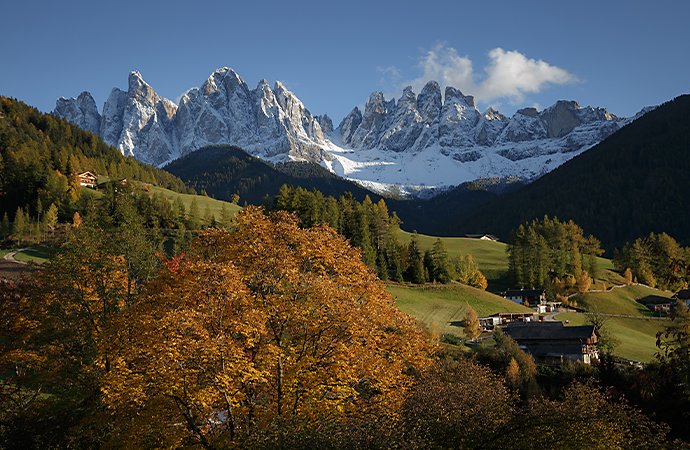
column 415, row 266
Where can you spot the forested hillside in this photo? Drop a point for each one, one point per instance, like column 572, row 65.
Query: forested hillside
column 41, row 155
column 633, row 183
column 224, row 170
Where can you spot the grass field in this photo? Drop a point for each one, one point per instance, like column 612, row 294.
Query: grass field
column 622, row 300
column 36, row 253
column 492, row 259
column 636, row 338
column 215, row 206
column 489, row 255
column 203, row 202
column 442, row 308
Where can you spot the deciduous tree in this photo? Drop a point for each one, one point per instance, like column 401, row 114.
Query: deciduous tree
column 270, row 327
column 472, row 328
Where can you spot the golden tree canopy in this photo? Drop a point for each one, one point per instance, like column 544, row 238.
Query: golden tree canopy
column 263, row 328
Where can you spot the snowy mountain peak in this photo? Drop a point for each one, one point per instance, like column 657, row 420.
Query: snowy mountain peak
column 83, row 109
column 417, row 142
column 454, row 95
column 429, row 101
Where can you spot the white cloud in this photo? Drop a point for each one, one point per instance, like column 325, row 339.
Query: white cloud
column 508, row 75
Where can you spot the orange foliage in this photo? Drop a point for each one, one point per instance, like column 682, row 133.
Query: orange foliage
column 266, row 326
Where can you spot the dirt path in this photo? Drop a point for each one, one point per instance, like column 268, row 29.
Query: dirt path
column 10, row 256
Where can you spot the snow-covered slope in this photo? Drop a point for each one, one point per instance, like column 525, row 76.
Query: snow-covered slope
column 418, row 142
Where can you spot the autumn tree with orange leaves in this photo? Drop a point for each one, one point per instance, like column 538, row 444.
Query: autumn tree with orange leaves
column 258, row 334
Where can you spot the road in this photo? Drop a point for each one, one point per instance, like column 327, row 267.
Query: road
column 10, row 256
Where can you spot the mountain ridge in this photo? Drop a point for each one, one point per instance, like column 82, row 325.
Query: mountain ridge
column 419, row 142
column 631, row 184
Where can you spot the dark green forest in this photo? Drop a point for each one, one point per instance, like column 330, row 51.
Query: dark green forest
column 633, row 183
column 224, row 170
column 374, row 230
column 40, row 156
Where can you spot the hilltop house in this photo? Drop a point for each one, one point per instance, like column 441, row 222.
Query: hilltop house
column 658, row 304
column 483, row 237
column 87, row 179
column 525, row 296
column 554, row 343
column 503, row 318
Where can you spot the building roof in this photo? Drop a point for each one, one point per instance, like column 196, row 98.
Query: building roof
column 682, row 295
column 87, row 174
column 479, row 236
column 524, row 292
column 549, row 331
column 656, row 301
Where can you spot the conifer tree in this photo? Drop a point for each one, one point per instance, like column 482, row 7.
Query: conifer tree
column 194, row 215
column 513, row 373
column 50, row 219
column 415, row 267
column 5, row 226
column 441, row 263
column 76, row 220
column 225, row 217
column 20, row 225
column 628, row 276
column 429, row 268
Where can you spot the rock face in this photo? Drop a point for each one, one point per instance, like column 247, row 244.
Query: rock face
column 81, row 111
column 272, row 123
column 430, row 139
column 454, row 124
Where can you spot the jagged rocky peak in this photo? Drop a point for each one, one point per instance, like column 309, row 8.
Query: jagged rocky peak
column 349, row 124
column 325, row 122
column 561, row 118
column 432, row 138
column 529, row 112
column 455, row 96
column 221, row 78
column 80, row 111
column 408, row 99
column 429, row 101
column 492, row 114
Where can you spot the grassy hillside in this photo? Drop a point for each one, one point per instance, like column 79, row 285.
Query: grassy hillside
column 490, row 256
column 493, row 260
column 40, row 156
column 202, row 201
column 622, row 300
column 442, row 308
column 636, row 336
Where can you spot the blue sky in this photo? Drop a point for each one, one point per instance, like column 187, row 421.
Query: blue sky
column 621, row 55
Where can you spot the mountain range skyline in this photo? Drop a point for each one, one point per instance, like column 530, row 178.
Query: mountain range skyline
column 614, row 55
column 412, row 145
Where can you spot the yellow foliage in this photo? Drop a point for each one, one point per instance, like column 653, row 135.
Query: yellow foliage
column 263, row 326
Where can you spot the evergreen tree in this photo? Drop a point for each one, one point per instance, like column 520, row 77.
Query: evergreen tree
column 364, row 238
column 415, row 267
column 429, row 268
column 441, row 262
column 5, row 227
column 50, row 219
column 180, row 210
column 194, row 215
column 20, row 226
column 225, row 217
